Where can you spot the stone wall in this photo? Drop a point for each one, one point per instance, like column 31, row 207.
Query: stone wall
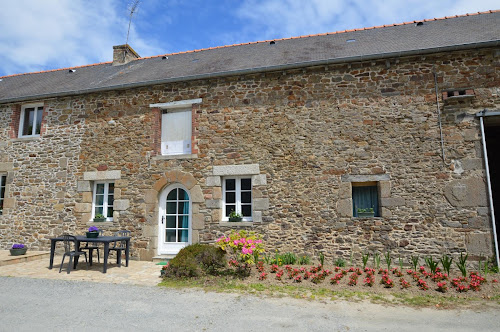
column 311, row 131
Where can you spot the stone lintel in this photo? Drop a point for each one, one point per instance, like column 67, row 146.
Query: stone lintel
column 228, row 170
column 102, row 175
column 365, row 178
column 177, row 104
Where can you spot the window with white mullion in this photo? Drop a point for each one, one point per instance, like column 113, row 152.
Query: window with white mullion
column 30, row 123
column 104, row 193
column 237, row 197
column 177, row 216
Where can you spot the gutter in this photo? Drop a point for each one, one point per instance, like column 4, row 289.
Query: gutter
column 254, row 70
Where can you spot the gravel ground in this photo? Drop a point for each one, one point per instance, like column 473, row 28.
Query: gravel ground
column 55, row 305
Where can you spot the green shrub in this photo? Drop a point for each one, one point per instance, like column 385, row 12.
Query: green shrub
column 193, row 260
column 288, row 258
column 339, row 262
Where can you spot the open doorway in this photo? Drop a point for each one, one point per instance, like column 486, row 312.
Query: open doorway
column 492, row 136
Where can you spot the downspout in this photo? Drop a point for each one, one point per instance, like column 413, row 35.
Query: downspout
column 439, row 117
column 488, row 181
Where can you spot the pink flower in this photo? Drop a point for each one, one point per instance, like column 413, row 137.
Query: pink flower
column 235, row 242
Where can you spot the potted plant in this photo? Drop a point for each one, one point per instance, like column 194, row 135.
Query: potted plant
column 366, row 213
column 99, row 218
column 93, row 232
column 235, row 217
column 18, row 249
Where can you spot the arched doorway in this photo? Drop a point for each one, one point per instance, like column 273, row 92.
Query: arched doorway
column 174, row 224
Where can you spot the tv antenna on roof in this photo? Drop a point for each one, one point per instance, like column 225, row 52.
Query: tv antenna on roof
column 133, row 8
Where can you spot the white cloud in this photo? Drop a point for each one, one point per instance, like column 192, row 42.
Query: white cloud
column 53, row 34
column 285, row 18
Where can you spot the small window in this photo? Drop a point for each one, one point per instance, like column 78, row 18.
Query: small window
column 237, row 197
column 365, row 200
column 30, row 123
column 176, row 132
column 104, row 193
column 3, row 179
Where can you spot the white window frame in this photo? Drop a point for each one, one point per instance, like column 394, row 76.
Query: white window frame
column 105, row 199
column 238, row 196
column 3, row 180
column 38, row 108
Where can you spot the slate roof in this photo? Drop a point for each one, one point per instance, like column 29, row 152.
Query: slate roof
column 458, row 32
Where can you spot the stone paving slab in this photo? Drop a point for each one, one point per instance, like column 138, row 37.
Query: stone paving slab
column 7, row 259
column 137, row 273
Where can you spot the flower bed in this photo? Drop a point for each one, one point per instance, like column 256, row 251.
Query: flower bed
column 420, row 282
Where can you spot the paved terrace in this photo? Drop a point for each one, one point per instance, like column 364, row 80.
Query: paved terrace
column 35, row 264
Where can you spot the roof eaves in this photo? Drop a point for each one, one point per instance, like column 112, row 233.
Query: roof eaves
column 331, row 61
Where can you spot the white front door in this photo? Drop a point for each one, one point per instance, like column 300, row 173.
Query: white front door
column 174, row 223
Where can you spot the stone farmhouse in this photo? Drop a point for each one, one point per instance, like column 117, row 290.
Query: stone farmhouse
column 361, row 140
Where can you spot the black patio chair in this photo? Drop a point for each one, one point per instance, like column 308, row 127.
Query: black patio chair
column 118, row 246
column 91, row 246
column 69, row 243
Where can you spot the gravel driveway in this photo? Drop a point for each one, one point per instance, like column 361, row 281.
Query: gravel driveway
column 55, row 305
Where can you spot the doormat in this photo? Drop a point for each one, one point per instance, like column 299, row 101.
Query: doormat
column 162, row 263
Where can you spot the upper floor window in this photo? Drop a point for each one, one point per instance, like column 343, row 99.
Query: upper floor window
column 30, row 123
column 176, row 131
column 104, row 193
column 3, row 179
column 237, row 194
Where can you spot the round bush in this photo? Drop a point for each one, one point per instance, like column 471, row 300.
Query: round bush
column 193, row 260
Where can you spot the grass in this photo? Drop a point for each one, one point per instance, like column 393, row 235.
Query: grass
column 230, row 285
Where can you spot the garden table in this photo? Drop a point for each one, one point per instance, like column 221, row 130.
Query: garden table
column 101, row 239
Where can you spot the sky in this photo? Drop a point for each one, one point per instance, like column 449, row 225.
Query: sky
column 38, row 35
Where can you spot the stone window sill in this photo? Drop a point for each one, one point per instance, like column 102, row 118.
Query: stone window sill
column 102, row 223
column 26, row 139
column 175, row 156
column 237, row 224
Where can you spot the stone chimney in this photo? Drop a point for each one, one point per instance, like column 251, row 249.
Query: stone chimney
column 123, row 54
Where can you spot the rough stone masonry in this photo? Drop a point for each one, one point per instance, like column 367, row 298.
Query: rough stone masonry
column 306, row 136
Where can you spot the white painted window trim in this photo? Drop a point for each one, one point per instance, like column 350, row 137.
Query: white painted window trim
column 22, row 119
column 238, row 196
column 105, row 199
